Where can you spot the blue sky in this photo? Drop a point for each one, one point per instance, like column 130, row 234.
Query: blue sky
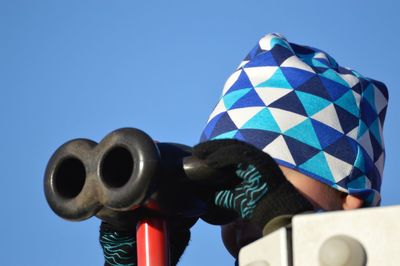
column 73, row 69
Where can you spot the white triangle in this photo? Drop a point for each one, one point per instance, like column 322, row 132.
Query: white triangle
column 328, row 116
column 231, row 80
column 365, row 142
column 380, row 100
column 339, row 169
column 295, row 62
column 380, row 163
column 350, row 79
column 240, row 116
column 278, row 149
column 286, row 119
column 219, row 108
column 258, row 75
column 269, row 95
column 353, row 133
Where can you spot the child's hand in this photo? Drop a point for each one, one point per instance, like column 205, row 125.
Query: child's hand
column 263, row 191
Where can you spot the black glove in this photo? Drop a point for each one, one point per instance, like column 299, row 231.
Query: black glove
column 263, row 192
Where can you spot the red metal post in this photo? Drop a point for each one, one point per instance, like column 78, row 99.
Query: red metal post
column 152, row 242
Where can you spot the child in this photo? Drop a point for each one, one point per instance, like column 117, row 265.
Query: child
column 320, row 122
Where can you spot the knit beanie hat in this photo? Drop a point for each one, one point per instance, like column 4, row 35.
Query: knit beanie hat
column 298, row 105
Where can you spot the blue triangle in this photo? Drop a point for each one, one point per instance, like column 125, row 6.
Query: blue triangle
column 232, row 97
column 263, row 120
column 250, row 99
column 241, row 83
column 368, row 114
column 347, row 120
column 295, row 76
column 358, row 183
column 210, row 127
column 258, row 138
column 300, row 152
column 305, row 133
column 281, row 53
column 262, row 59
column 315, row 86
column 348, row 102
column 376, row 148
column 326, row 135
column 278, row 80
column 319, row 166
column 335, row 90
column 332, row 75
column 223, row 125
column 290, row 102
column 311, row 103
column 344, row 149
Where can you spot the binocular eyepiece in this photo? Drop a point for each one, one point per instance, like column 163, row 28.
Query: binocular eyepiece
column 124, row 171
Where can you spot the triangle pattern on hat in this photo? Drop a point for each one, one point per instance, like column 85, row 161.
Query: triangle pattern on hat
column 325, row 134
column 264, row 59
column 263, row 120
column 329, row 117
column 285, row 119
column 226, row 135
column 258, row 138
column 380, row 101
column 296, row 77
column 311, row 103
column 360, row 182
column 305, row 133
column 232, row 97
column 231, row 80
column 350, row 79
column 300, row 151
column 339, row 169
column 277, row 80
column 365, row 142
column 369, row 95
column 335, row 90
column 248, row 100
column 344, row 149
column 241, row 82
column 281, row 53
column 295, row 63
column 270, row 95
column 376, row 130
column 219, row 108
column 241, row 115
column 278, row 149
column 334, row 76
column 347, row 120
column 290, row 102
column 368, row 114
column 380, row 163
column 315, row 86
column 348, row 103
column 257, row 75
column 211, row 125
column 223, row 125
column 318, row 165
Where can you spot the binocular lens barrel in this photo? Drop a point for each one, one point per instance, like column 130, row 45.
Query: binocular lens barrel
column 116, row 167
column 69, row 177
